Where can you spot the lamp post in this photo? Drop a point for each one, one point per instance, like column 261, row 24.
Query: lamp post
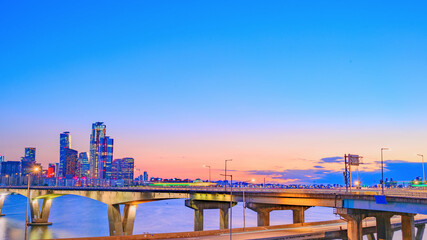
column 231, row 203
column 206, row 166
column 225, row 173
column 424, row 175
column 35, row 169
column 382, row 170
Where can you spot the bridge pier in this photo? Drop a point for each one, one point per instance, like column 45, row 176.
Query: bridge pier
column 408, row 227
column 199, row 206
column 119, row 225
column 263, row 212
column 420, row 232
column 384, row 231
column 2, row 197
column 354, row 219
column 40, row 217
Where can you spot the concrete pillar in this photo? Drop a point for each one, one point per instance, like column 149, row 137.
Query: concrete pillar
column 370, row 236
column 263, row 218
column 420, row 232
column 2, row 197
column 40, row 217
column 408, row 227
column 299, row 214
column 121, row 226
column 198, row 220
column 199, row 206
column 354, row 222
column 223, row 218
column 129, row 218
column 384, row 231
column 263, row 212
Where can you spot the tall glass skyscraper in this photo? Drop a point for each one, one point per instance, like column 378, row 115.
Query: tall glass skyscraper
column 30, row 154
column 70, row 167
column 83, row 164
column 64, row 144
column 101, row 152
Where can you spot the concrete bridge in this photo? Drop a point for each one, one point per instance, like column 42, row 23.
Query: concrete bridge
column 352, row 207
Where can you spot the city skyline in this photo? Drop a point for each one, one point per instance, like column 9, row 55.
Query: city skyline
column 275, row 87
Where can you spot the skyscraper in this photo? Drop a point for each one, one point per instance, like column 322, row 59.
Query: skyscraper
column 70, row 168
column 29, row 161
column 106, row 157
column 101, row 152
column 1, row 160
column 83, row 164
column 30, row 154
column 64, row 143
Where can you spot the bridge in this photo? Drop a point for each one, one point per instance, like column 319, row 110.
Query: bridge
column 352, row 207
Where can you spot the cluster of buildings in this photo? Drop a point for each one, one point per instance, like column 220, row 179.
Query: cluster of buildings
column 98, row 164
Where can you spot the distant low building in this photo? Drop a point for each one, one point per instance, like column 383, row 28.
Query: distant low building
column 145, row 176
column 10, row 168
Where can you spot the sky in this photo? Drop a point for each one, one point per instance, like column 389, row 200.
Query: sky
column 277, row 86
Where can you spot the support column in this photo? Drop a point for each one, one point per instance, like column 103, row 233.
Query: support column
column 370, row 236
column 224, row 217
column 354, row 222
column 40, row 217
column 263, row 212
column 121, row 226
column 299, row 214
column 199, row 206
column 420, row 232
column 384, row 231
column 408, row 227
column 2, row 197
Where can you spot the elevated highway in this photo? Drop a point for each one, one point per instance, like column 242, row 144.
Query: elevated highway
column 353, row 207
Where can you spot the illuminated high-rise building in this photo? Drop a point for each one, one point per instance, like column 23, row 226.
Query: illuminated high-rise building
column 101, row 152
column 83, row 165
column 123, row 169
column 64, row 144
column 70, row 167
column 30, row 154
column 105, row 152
column 51, row 170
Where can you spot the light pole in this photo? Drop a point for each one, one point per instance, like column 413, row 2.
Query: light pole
column 225, row 173
column 424, row 175
column 35, row 169
column 231, row 203
column 209, row 172
column 382, row 170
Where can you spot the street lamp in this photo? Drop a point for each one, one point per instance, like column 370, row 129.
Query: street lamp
column 209, row 172
column 225, row 172
column 382, row 170
column 35, row 170
column 231, row 201
column 424, row 176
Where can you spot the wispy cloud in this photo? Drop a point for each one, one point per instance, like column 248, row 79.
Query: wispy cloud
column 331, row 160
column 321, row 174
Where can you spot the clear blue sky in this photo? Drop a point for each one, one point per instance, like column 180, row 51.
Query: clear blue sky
column 173, row 79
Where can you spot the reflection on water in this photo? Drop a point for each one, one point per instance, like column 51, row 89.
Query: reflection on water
column 74, row 216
